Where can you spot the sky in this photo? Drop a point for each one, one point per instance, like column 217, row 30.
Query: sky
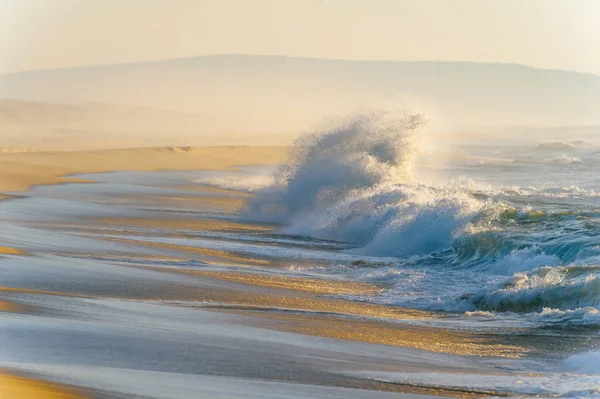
column 556, row 34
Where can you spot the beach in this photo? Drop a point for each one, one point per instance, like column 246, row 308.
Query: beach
column 328, row 199
column 133, row 273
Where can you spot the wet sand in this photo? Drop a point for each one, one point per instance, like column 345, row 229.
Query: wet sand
column 9, row 307
column 121, row 310
column 315, row 286
column 186, row 224
column 387, row 333
column 210, row 256
column 20, row 171
column 13, row 386
column 10, row 251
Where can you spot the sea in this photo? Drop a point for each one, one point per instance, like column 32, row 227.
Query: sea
column 493, row 235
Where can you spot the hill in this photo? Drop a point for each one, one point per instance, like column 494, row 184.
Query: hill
column 237, row 94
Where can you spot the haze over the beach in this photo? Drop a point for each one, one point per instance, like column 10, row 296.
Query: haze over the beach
column 550, row 34
column 86, row 74
column 289, row 199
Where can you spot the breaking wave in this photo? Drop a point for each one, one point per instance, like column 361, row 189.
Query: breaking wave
column 564, row 159
column 542, row 290
column 355, row 184
column 571, row 145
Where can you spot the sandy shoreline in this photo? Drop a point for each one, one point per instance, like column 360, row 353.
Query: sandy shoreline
column 20, row 171
column 6, row 306
column 10, row 251
column 13, row 386
column 292, row 305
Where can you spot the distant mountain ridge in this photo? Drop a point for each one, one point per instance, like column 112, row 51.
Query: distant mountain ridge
column 276, row 57
column 245, row 93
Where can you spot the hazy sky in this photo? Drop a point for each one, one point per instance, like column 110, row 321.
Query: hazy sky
column 561, row 34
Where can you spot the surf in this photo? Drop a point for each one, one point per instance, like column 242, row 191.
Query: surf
column 356, row 184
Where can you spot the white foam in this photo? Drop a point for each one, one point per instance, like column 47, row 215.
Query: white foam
column 547, row 385
column 585, row 363
column 354, row 184
column 522, row 260
column 239, row 182
column 579, row 316
column 545, row 287
column 564, row 159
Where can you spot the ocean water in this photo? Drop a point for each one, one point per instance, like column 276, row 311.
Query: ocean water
column 494, row 238
column 501, row 230
column 498, row 236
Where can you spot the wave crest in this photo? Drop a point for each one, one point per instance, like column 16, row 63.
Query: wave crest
column 560, row 288
column 354, row 184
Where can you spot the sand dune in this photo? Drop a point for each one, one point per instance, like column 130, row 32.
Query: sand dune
column 20, row 171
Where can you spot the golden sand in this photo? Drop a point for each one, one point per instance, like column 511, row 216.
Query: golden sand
column 385, row 333
column 186, row 224
column 197, row 202
column 20, row 171
column 10, row 251
column 205, row 189
column 16, row 387
column 9, row 307
column 331, row 325
column 315, row 286
column 291, row 300
column 344, row 319
column 220, row 257
column 40, row 292
column 261, row 305
column 223, row 204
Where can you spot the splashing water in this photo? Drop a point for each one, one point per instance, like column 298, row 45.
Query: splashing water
column 504, row 248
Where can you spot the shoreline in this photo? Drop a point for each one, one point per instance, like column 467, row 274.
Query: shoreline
column 285, row 288
column 16, row 386
column 289, row 305
column 23, row 171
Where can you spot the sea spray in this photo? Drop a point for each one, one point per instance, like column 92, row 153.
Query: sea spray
column 363, row 151
column 354, row 184
column 529, row 250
